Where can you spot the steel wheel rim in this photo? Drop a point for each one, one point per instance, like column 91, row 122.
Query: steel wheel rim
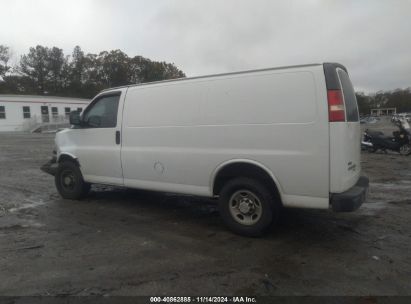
column 68, row 180
column 245, row 207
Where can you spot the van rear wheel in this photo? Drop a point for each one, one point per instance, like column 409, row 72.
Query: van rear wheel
column 69, row 181
column 247, row 206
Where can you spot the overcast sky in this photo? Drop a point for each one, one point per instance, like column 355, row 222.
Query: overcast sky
column 371, row 38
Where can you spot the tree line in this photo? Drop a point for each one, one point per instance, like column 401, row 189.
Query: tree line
column 48, row 71
column 399, row 99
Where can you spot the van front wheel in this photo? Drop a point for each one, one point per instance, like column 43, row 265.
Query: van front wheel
column 69, row 181
column 247, row 206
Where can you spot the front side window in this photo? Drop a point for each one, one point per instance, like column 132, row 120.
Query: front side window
column 2, row 112
column 26, row 112
column 103, row 112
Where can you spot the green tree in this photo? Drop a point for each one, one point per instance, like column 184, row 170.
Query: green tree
column 4, row 59
column 77, row 65
column 56, row 79
column 363, row 103
column 77, row 70
column 156, row 71
column 35, row 66
column 17, row 84
column 46, row 70
column 399, row 99
column 113, row 68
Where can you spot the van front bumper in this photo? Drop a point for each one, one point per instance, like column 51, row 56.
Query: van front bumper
column 351, row 199
column 50, row 167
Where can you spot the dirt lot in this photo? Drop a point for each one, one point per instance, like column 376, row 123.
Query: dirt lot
column 123, row 242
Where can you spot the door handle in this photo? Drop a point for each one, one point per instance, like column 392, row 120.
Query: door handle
column 117, row 137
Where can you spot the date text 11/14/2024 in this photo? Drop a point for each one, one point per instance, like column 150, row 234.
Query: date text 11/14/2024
column 203, row 299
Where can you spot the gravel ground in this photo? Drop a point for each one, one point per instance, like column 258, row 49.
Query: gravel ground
column 127, row 242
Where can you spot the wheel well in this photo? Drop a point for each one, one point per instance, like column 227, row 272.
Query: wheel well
column 66, row 157
column 231, row 171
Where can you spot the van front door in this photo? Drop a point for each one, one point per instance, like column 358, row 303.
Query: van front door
column 97, row 140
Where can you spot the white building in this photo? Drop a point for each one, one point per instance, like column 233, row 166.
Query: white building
column 25, row 112
column 383, row 111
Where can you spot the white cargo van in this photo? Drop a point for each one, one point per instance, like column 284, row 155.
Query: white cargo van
column 257, row 140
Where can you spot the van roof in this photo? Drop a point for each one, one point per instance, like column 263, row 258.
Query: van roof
column 214, row 75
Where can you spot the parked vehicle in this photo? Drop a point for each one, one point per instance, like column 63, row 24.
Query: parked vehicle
column 256, row 140
column 399, row 142
column 369, row 120
column 401, row 116
column 366, row 142
column 394, row 118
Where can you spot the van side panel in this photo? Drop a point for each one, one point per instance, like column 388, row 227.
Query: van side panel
column 175, row 135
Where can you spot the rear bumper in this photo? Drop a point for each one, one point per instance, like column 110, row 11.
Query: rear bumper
column 351, row 199
column 50, row 167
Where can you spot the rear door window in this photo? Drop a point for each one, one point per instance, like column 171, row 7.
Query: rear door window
column 351, row 108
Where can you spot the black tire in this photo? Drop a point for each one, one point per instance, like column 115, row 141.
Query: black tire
column 69, row 181
column 269, row 211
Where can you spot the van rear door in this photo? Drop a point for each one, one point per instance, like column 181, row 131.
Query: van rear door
column 344, row 126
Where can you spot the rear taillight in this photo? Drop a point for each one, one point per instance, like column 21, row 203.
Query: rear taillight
column 336, row 109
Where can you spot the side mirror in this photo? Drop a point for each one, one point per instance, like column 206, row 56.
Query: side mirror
column 94, row 121
column 75, row 118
